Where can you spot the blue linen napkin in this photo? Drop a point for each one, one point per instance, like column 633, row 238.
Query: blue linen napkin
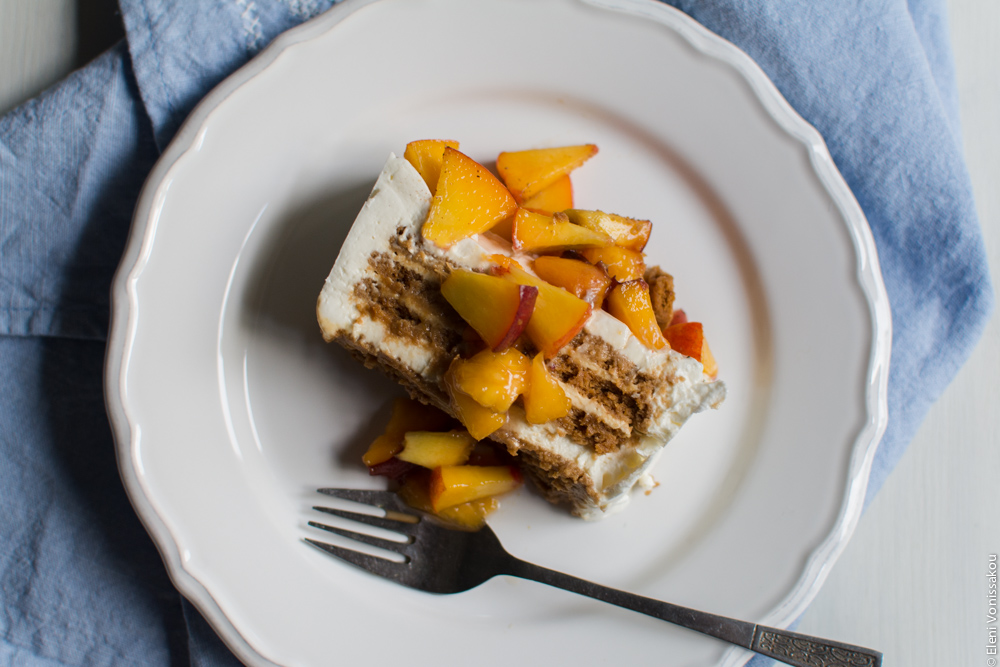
column 80, row 581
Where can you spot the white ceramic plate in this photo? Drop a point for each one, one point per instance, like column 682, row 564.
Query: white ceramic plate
column 229, row 409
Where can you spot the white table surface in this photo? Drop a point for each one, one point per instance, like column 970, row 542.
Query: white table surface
column 912, row 581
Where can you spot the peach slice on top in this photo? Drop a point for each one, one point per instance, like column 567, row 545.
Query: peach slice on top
column 426, row 156
column 621, row 264
column 430, row 449
column 535, row 232
column 627, row 232
column 629, row 302
column 479, row 421
column 468, row 200
column 558, row 315
column 453, row 485
column 544, row 399
column 504, row 229
column 688, row 338
column 498, row 310
column 492, row 379
column 526, row 173
column 556, row 197
column 407, row 415
column 581, row 279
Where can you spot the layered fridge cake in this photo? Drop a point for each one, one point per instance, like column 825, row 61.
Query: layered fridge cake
column 534, row 324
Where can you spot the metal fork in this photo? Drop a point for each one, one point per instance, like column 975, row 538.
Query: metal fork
column 444, row 560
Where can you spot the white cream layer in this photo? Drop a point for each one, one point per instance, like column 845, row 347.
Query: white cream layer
column 400, row 199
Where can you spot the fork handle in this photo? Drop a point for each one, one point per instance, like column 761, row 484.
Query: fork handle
column 789, row 647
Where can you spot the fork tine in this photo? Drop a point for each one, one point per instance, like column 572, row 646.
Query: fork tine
column 388, row 545
column 374, row 564
column 364, row 496
column 389, row 522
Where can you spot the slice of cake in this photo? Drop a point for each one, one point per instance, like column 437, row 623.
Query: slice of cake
column 447, row 292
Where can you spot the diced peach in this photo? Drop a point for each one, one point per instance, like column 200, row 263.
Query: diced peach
column 545, row 398
column 503, row 264
column 526, row 173
column 556, row 197
column 688, row 338
column 679, row 317
column 626, row 232
column 426, row 156
column 621, row 264
column 383, row 448
column 453, row 485
column 558, row 315
column 468, row 200
column 415, row 492
column 535, row 232
column 430, row 449
column 479, row 421
column 629, row 302
column 407, row 415
column 711, row 366
column 504, row 229
column 471, row 515
column 488, row 304
column 493, row 379
column 582, row 279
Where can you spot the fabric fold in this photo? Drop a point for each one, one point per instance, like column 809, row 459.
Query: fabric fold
column 217, row 37
column 71, row 165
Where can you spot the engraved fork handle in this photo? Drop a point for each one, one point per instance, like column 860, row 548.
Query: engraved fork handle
column 789, row 647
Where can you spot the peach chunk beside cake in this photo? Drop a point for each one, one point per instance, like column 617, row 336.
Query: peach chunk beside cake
column 542, row 331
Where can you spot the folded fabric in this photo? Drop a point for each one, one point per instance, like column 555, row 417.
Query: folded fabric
column 80, row 581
